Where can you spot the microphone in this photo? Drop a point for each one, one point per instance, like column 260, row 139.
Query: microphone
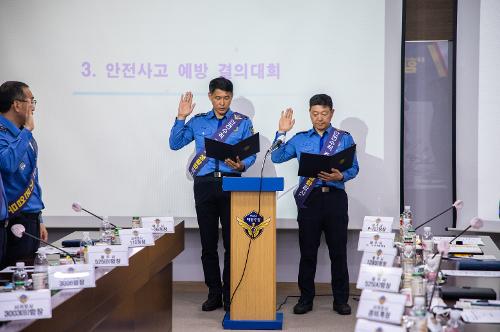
column 279, row 141
column 457, row 205
column 18, row 230
column 475, row 223
column 78, row 208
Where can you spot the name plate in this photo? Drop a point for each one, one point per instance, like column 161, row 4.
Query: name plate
column 159, row 225
column 71, row 276
column 363, row 325
column 137, row 237
column 112, row 255
column 379, row 257
column 375, row 240
column 25, row 305
column 377, row 224
column 385, row 279
column 381, row 306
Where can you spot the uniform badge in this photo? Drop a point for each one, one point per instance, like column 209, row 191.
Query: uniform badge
column 22, row 166
column 253, row 224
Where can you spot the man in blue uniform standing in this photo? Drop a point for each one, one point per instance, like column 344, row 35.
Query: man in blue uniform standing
column 321, row 202
column 18, row 168
column 212, row 204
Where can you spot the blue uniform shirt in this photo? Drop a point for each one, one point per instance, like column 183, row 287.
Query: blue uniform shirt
column 310, row 142
column 205, row 125
column 17, row 161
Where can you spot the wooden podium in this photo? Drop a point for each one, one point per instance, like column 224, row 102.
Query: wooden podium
column 254, row 304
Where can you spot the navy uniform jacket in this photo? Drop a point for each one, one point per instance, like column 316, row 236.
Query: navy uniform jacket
column 310, row 141
column 205, row 125
column 17, row 161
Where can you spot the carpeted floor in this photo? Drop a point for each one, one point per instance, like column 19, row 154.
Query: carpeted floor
column 187, row 314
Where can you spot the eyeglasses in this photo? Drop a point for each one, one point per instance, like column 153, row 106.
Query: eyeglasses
column 32, row 101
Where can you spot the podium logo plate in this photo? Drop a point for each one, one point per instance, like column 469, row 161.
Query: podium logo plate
column 253, row 224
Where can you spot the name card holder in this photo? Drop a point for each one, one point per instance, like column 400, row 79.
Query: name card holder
column 386, row 279
column 381, row 306
column 71, row 276
column 19, row 305
column 377, row 224
column 375, row 240
column 159, row 225
column 137, row 237
column 363, row 325
column 108, row 255
column 379, row 257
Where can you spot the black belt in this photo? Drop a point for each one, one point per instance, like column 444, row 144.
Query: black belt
column 326, row 189
column 220, row 175
column 31, row 215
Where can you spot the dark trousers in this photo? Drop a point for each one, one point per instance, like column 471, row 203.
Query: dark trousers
column 212, row 205
column 23, row 249
column 3, row 243
column 325, row 212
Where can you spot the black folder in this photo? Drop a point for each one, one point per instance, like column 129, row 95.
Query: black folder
column 222, row 151
column 312, row 164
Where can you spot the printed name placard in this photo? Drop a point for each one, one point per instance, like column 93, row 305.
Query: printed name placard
column 25, row 305
column 71, row 276
column 109, row 255
column 377, row 224
column 159, row 225
column 379, row 257
column 385, row 279
column 363, row 325
column 375, row 240
column 137, row 237
column 381, row 306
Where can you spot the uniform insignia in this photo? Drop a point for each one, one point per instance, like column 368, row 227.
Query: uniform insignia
column 200, row 114
column 22, row 166
column 253, row 224
column 3, row 128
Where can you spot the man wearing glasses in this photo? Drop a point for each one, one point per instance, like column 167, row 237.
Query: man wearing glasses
column 19, row 171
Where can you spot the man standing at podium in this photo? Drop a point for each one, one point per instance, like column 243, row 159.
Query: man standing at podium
column 19, row 170
column 321, row 202
column 212, row 204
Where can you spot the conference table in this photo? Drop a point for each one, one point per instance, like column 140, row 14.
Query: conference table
column 137, row 297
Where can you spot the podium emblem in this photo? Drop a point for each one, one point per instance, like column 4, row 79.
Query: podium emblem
column 253, row 224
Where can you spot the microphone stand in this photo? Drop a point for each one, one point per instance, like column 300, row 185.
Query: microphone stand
column 100, row 218
column 440, row 214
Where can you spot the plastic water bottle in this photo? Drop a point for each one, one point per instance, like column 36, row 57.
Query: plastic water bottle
column 106, row 231
column 85, row 243
column 418, row 316
column 454, row 324
column 41, row 264
column 20, row 277
column 405, row 216
column 427, row 243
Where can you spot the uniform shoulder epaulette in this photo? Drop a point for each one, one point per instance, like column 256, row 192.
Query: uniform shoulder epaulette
column 346, row 133
column 241, row 115
column 200, row 114
column 3, row 128
column 302, row 132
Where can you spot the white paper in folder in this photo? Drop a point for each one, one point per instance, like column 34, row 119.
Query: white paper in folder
column 484, row 316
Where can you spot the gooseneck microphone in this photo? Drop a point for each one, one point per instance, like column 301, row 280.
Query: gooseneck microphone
column 457, row 205
column 19, row 230
column 78, row 208
column 279, row 141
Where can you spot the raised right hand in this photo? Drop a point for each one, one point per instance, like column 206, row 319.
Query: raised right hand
column 186, row 106
column 286, row 120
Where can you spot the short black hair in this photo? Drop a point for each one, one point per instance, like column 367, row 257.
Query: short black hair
column 322, row 100
column 220, row 83
column 10, row 91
